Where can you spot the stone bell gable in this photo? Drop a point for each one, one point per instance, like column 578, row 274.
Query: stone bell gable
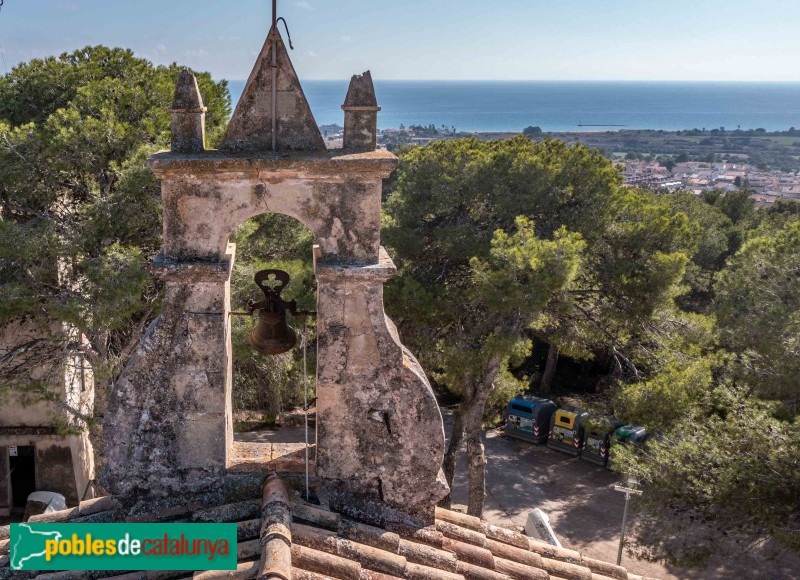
column 250, row 128
column 169, row 433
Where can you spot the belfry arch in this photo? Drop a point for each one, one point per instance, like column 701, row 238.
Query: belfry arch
column 169, row 427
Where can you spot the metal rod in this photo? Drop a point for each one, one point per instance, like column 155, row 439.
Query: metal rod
column 305, row 397
column 624, row 522
column 274, row 51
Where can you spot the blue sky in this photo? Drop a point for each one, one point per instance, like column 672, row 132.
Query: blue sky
column 719, row 40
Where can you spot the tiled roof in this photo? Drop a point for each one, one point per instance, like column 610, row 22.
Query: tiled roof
column 285, row 538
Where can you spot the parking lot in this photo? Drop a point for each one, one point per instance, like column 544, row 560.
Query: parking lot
column 585, row 511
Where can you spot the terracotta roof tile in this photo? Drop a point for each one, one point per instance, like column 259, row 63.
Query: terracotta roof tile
column 324, row 563
column 605, row 568
column 519, row 571
column 369, row 535
column 454, row 532
column 243, row 570
column 282, row 539
column 298, row 574
column 428, row 555
column 514, row 554
column 419, row 572
column 474, row 572
column 470, row 553
column 372, row 558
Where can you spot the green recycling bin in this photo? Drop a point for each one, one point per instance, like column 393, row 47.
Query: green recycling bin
column 629, row 434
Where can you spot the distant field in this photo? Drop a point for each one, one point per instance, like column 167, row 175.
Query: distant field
column 768, row 151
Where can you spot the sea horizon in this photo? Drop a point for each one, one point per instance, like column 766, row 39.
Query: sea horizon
column 562, row 106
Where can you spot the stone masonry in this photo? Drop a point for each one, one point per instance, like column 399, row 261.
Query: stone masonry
column 379, row 430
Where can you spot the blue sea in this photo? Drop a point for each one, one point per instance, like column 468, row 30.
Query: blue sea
column 563, row 106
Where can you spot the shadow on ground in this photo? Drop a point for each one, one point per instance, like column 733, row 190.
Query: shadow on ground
column 584, row 509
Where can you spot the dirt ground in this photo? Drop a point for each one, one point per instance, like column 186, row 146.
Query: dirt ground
column 585, row 512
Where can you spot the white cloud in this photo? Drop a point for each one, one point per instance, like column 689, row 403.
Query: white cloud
column 198, row 52
column 311, row 53
column 347, row 38
column 155, row 53
column 304, row 5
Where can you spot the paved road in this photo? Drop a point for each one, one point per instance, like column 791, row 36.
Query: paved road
column 584, row 510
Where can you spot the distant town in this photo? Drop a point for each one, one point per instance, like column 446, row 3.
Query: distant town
column 694, row 176
column 697, row 160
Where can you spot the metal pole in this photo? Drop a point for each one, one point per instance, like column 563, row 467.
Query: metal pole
column 305, row 397
column 275, row 78
column 624, row 522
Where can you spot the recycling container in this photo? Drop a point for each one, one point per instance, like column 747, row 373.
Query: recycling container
column 566, row 430
column 597, row 438
column 629, row 434
column 529, row 418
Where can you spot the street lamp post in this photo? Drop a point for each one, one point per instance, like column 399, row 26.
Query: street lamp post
column 629, row 490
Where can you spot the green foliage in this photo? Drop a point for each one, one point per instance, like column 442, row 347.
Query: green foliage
column 758, row 308
column 449, row 221
column 721, row 394
column 717, row 240
column 716, row 479
column 628, row 249
column 533, row 132
column 105, row 84
column 673, row 388
column 80, row 211
column 695, row 300
column 270, row 383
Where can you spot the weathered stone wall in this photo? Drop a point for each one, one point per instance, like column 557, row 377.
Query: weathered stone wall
column 206, row 196
column 55, row 470
column 82, row 453
column 69, row 378
column 361, row 114
column 63, row 463
column 379, row 429
column 12, row 411
column 360, row 128
column 250, row 128
column 168, row 428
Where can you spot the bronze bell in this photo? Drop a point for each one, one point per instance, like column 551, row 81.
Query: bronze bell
column 272, row 334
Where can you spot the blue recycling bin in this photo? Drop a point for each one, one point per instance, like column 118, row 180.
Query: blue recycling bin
column 529, row 418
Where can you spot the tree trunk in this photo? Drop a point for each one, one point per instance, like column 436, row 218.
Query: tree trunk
column 473, row 427
column 549, row 370
column 451, row 455
column 476, row 467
